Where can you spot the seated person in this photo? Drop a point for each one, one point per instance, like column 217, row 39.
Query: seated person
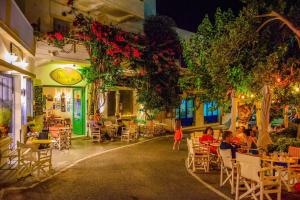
column 255, row 131
column 241, row 135
column 251, row 141
column 226, row 143
column 208, row 137
column 97, row 119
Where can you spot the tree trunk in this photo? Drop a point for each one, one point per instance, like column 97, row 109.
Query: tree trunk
column 264, row 138
column 233, row 112
column 286, row 116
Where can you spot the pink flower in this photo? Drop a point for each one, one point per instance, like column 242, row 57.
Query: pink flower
column 59, row 36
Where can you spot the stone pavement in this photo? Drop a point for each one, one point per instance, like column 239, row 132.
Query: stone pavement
column 150, row 170
column 81, row 148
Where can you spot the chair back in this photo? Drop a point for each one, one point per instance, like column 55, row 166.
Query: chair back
column 249, row 166
column 226, row 157
column 294, row 152
column 190, row 146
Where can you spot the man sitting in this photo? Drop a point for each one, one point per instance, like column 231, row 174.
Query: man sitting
column 226, row 142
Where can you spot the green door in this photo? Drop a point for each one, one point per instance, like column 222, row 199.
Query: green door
column 78, row 111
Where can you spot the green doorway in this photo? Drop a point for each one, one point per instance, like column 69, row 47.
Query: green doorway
column 78, row 111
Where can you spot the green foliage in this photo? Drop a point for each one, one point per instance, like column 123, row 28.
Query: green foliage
column 283, row 139
column 5, row 116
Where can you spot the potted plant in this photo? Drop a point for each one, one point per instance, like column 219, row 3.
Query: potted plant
column 5, row 119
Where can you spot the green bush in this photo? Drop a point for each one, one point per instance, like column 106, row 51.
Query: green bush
column 284, row 139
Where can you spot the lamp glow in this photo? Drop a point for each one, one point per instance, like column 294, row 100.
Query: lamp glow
column 243, row 97
column 10, row 57
column 251, row 95
column 22, row 64
column 297, row 89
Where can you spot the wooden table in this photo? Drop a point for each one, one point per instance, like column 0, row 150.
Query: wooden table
column 36, row 141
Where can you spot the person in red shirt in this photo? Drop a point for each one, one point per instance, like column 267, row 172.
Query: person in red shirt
column 207, row 137
column 177, row 134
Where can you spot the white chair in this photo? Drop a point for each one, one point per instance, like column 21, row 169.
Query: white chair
column 198, row 157
column 33, row 161
column 228, row 166
column 129, row 133
column 95, row 133
column 258, row 181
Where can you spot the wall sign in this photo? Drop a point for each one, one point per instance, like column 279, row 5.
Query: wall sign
column 66, row 76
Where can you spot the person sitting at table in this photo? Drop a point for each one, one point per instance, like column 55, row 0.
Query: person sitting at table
column 207, row 135
column 255, row 131
column 251, row 141
column 208, row 138
column 241, row 135
column 226, row 143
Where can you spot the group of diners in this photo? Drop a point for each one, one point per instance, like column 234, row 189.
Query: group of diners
column 244, row 139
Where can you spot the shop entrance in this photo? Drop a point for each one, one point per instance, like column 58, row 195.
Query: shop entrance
column 65, row 106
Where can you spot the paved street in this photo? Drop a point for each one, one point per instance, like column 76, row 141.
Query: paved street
column 145, row 171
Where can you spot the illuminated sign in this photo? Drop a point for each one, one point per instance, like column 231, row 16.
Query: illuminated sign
column 66, row 76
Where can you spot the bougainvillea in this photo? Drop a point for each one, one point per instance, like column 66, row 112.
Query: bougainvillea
column 148, row 63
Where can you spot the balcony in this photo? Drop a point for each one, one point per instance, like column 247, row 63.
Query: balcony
column 13, row 21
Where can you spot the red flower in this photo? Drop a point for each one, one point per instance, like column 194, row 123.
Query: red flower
column 119, row 38
column 51, row 36
column 136, row 53
column 109, row 52
column 94, row 28
column 116, row 62
column 59, row 36
column 126, row 54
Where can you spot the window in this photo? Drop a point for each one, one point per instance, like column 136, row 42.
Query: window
column 185, row 112
column 211, row 113
column 60, row 25
column 111, row 103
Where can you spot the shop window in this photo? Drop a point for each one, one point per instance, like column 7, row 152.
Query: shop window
column 126, row 102
column 185, row 112
column 211, row 113
column 111, row 103
column 61, row 25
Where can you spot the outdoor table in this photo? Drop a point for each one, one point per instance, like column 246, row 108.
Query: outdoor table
column 36, row 141
column 288, row 161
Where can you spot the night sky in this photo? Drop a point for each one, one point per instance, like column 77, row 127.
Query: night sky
column 188, row 14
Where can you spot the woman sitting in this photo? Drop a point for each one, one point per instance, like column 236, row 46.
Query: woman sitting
column 251, row 142
column 208, row 138
column 207, row 135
